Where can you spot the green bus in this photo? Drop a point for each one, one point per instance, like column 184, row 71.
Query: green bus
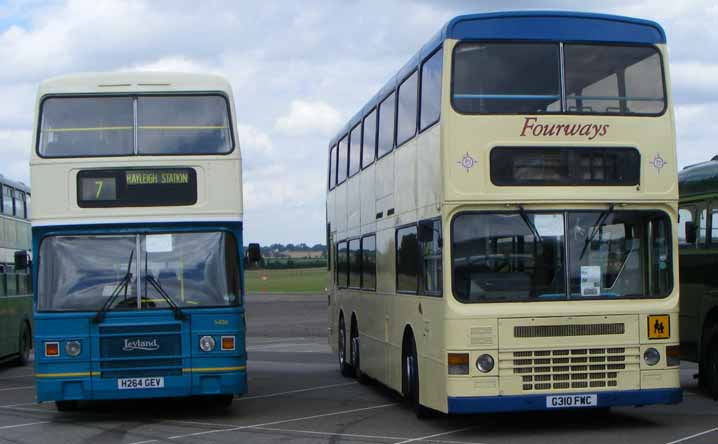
column 698, row 246
column 15, row 272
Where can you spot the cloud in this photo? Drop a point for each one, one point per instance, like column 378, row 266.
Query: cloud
column 15, row 146
column 306, row 117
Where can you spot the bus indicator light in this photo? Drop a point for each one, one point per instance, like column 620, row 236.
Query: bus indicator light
column 458, row 363
column 52, row 349
column 227, row 343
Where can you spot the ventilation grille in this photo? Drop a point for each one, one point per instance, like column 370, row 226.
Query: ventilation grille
column 552, row 331
column 567, row 369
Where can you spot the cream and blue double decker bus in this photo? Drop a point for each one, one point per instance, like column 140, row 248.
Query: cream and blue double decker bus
column 137, row 235
column 502, row 218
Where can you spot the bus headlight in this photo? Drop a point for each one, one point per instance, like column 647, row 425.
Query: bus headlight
column 651, row 356
column 206, row 343
column 73, row 348
column 485, row 363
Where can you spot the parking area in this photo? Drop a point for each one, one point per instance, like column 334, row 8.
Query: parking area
column 297, row 394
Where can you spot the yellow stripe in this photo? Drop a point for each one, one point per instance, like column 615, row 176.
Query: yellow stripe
column 181, row 127
column 99, row 128
column 66, row 375
column 214, row 369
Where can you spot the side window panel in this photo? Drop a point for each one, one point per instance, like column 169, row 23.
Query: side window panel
column 355, row 150
column 332, row 167
column 342, row 265
column 407, row 259
column 342, row 162
column 368, row 247
column 386, row 126
column 7, row 206
column 702, row 226
column 369, row 140
column 430, row 242
column 684, row 215
column 355, row 263
column 407, row 109
column 714, row 222
column 431, row 90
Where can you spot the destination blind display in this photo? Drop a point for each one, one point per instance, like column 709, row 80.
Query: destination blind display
column 136, row 187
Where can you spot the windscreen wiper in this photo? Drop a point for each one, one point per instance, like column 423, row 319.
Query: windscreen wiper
column 122, row 285
column 596, row 228
column 179, row 314
column 529, row 223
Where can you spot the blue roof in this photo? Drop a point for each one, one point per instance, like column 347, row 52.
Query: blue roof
column 524, row 25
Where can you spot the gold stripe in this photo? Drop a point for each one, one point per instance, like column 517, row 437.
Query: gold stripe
column 65, row 375
column 100, row 128
column 182, row 127
column 214, row 369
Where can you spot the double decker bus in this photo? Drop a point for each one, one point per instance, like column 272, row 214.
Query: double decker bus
column 15, row 277
column 501, row 214
column 137, row 236
column 698, row 246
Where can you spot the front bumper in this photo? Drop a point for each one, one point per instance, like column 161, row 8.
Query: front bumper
column 486, row 404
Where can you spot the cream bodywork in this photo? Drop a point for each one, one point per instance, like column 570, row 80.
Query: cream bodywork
column 54, row 181
column 423, row 179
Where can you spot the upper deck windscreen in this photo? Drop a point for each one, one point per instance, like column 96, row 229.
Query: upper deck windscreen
column 101, row 126
column 527, row 78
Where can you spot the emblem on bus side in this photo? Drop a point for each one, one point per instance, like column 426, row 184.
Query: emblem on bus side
column 140, row 344
column 467, row 162
column 658, row 163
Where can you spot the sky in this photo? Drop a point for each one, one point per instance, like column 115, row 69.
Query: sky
column 299, row 70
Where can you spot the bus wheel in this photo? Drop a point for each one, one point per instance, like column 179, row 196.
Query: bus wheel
column 222, row 401
column 67, row 406
column 25, row 345
column 356, row 358
column 710, row 359
column 344, row 367
column 410, row 380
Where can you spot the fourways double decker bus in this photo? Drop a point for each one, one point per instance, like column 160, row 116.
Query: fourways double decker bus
column 15, row 277
column 501, row 214
column 137, row 235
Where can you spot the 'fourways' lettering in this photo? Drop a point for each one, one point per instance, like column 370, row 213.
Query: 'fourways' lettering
column 532, row 127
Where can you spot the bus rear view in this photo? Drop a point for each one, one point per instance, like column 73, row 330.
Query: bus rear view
column 137, row 233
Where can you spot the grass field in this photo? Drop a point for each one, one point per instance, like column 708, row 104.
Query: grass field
column 300, row 280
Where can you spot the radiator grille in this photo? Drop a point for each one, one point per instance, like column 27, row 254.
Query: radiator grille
column 140, row 350
column 564, row 369
column 552, row 331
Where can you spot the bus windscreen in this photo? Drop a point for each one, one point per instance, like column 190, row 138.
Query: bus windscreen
column 528, row 78
column 525, row 257
column 198, row 269
column 100, row 126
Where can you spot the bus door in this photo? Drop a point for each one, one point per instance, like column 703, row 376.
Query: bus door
column 693, row 267
column 5, row 346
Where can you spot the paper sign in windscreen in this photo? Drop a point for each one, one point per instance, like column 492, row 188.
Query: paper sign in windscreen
column 590, row 280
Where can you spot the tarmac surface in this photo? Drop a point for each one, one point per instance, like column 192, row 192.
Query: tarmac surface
column 296, row 394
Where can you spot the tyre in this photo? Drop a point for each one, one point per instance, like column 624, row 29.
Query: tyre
column 356, row 358
column 344, row 366
column 67, row 406
column 709, row 369
column 222, row 401
column 25, row 345
column 410, row 380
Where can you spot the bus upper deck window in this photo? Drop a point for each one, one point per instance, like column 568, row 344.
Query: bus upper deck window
column 610, row 79
column 183, row 125
column 506, row 78
column 86, row 126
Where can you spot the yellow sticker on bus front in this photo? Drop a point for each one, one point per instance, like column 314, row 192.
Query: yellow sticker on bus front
column 659, row 327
